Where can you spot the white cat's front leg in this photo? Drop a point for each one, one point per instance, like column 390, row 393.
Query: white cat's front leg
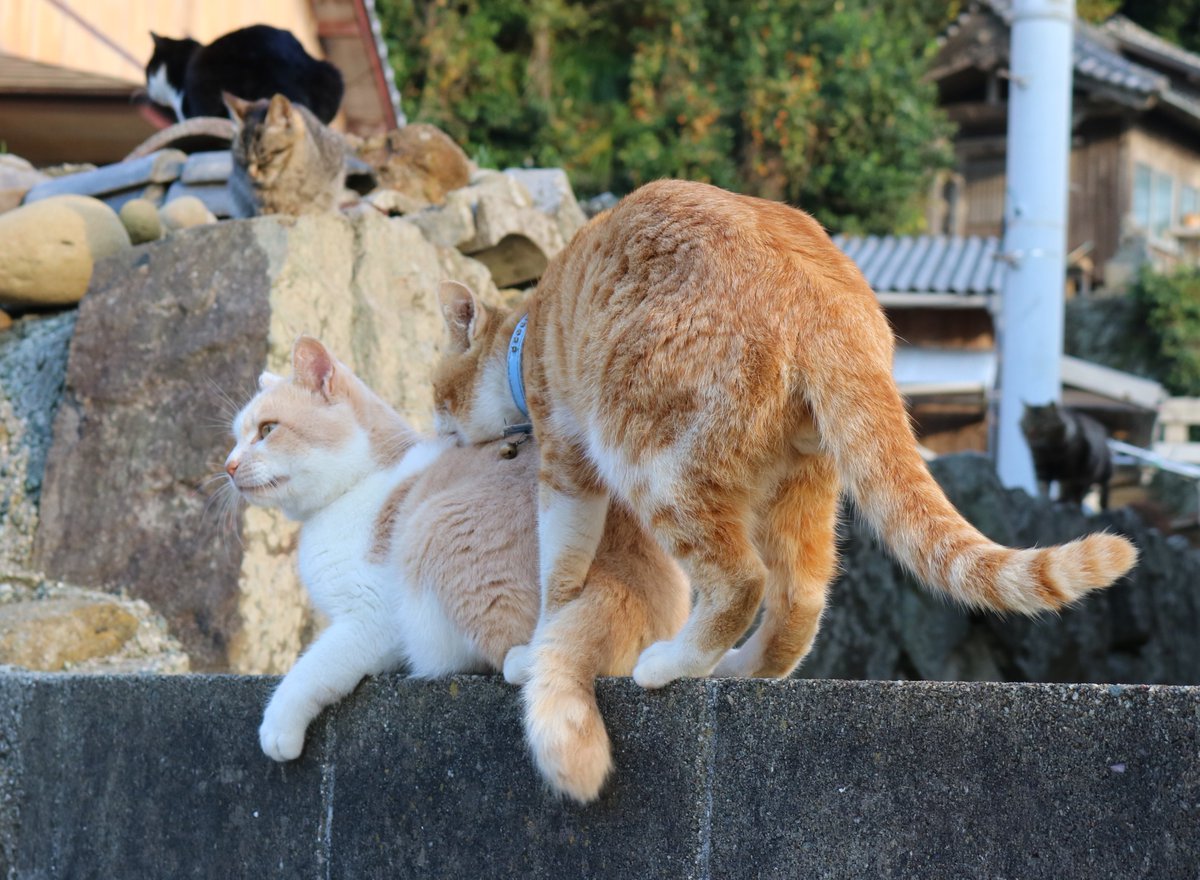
column 335, row 663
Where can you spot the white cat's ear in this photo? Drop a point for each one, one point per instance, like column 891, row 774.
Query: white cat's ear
column 238, row 107
column 460, row 310
column 268, row 380
column 313, row 366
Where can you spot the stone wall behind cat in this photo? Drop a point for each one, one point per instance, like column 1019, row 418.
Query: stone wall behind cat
column 881, row 624
column 169, row 341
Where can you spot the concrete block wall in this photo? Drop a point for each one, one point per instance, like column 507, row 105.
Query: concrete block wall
column 161, row 777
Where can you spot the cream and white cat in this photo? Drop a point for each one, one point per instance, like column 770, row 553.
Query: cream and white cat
column 425, row 555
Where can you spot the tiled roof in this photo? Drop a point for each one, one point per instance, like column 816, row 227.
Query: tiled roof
column 1092, row 55
column 927, row 263
column 1134, row 35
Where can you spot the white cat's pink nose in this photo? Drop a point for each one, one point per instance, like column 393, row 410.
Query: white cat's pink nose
column 231, row 466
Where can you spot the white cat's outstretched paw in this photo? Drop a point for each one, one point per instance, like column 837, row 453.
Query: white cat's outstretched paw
column 518, row 664
column 281, row 742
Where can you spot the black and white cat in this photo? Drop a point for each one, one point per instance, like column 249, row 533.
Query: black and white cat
column 254, row 62
column 1069, row 448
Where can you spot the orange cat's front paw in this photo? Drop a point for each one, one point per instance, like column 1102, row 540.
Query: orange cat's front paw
column 518, row 665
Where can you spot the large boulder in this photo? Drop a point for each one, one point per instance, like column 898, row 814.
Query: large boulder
column 169, row 341
column 53, row 627
column 48, row 249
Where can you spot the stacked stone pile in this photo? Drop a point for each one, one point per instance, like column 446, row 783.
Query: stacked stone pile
column 147, row 316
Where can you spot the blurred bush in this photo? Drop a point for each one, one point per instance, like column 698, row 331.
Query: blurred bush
column 821, row 103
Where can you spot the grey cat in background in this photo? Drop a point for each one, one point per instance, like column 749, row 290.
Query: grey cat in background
column 285, row 161
column 1068, row 448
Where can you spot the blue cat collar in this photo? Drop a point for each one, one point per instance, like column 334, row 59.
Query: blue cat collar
column 516, row 382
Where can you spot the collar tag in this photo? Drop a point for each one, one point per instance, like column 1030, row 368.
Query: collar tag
column 516, row 381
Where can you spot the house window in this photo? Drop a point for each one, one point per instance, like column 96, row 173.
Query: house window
column 1188, row 202
column 1142, row 177
column 1162, row 207
column 1153, row 199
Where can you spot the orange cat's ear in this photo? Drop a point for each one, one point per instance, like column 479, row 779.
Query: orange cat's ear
column 460, row 309
column 313, row 366
column 238, row 107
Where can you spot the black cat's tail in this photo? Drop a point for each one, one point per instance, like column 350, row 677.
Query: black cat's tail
column 325, row 91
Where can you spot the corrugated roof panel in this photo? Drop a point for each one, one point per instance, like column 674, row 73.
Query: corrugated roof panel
column 907, row 272
column 927, row 264
column 884, row 277
column 871, row 264
column 961, row 280
column 923, row 277
column 945, row 269
column 983, row 266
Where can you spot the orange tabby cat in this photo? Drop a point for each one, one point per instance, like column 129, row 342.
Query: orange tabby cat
column 714, row 361
column 426, row 554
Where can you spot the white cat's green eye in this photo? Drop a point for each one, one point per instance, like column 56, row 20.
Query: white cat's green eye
column 266, row 428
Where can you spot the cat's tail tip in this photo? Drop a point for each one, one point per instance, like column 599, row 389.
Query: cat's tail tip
column 566, row 732
column 1057, row 576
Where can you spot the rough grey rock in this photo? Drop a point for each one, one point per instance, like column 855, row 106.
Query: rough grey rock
column 170, row 339
column 431, row 779
column 882, row 624
column 33, row 367
column 498, row 222
column 553, row 196
column 598, row 204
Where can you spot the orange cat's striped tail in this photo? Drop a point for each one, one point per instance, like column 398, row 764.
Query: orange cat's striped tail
column 563, row 725
column 863, row 423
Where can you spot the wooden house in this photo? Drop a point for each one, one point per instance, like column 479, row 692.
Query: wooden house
column 1135, row 148
column 942, row 296
column 72, row 75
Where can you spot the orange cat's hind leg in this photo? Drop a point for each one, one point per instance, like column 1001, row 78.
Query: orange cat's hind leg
column 728, row 579
column 797, row 539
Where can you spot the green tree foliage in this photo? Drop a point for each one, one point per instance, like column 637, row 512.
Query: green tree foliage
column 1171, row 306
column 817, row 102
column 1174, row 20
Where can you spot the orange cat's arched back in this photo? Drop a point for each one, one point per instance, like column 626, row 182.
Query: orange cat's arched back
column 715, row 361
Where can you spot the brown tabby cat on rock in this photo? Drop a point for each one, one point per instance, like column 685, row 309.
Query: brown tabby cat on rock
column 284, row 160
column 716, row 363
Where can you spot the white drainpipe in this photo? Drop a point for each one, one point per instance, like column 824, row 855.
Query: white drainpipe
column 1035, row 231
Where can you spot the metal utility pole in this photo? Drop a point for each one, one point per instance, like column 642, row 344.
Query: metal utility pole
column 1035, row 222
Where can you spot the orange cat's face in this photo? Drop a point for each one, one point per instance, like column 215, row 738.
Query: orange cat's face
column 470, row 384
